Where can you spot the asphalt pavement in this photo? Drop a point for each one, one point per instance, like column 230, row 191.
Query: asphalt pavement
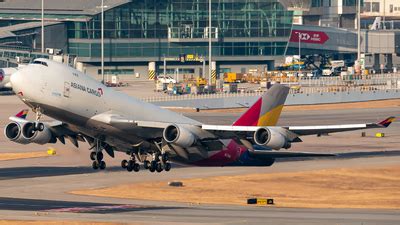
column 38, row 188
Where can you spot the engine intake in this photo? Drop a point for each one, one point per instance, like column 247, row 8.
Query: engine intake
column 271, row 138
column 179, row 135
column 35, row 136
column 13, row 132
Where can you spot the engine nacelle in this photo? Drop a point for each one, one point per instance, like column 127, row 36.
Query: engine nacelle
column 271, row 138
column 179, row 135
column 38, row 137
column 13, row 131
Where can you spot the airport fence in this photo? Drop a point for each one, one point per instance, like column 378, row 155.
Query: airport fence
column 306, row 86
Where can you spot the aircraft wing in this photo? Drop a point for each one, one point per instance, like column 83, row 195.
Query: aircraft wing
column 310, row 130
column 295, row 131
column 242, row 132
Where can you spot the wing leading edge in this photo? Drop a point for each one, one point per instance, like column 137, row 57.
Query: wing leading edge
column 300, row 130
column 310, row 130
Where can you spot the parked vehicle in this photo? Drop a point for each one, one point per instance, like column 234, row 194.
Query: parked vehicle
column 166, row 79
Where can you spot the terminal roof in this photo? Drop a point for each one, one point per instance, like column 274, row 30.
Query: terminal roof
column 8, row 31
column 62, row 7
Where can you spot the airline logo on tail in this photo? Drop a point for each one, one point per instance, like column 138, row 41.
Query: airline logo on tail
column 388, row 121
column 267, row 110
column 22, row 114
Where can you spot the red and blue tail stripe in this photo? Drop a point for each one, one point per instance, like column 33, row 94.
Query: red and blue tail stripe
column 22, row 114
column 387, row 121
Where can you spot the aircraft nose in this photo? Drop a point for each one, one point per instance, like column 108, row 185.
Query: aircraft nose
column 14, row 78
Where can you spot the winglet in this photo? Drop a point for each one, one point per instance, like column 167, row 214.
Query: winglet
column 387, row 121
column 22, row 114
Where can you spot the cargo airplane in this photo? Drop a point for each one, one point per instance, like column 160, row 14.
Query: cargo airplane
column 110, row 121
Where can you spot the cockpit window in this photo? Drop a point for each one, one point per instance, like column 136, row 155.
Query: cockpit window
column 40, row 62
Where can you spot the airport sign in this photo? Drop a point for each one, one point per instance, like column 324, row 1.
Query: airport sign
column 312, row 37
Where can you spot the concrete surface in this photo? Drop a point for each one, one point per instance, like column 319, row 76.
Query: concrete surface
column 37, row 189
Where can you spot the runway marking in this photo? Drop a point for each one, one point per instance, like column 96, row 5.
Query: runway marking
column 96, row 208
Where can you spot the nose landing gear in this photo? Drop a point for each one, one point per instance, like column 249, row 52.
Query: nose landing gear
column 38, row 125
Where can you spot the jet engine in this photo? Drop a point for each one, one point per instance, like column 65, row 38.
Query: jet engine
column 39, row 137
column 13, row 131
column 179, row 135
column 271, row 138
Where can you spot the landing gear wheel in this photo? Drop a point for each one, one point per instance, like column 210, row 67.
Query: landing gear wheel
column 130, row 166
column 39, row 126
column 159, row 168
column 146, row 164
column 102, row 165
column 165, row 157
column 167, row 166
column 99, row 156
column 136, row 167
column 93, row 156
column 153, row 166
column 124, row 164
column 95, row 165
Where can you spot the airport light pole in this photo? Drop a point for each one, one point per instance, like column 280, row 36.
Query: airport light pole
column 42, row 26
column 102, row 41
column 165, row 66
column 384, row 14
column 359, row 32
column 209, row 43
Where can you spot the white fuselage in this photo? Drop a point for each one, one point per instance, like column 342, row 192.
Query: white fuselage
column 70, row 96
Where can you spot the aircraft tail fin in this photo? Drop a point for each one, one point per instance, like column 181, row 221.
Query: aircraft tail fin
column 22, row 114
column 267, row 110
column 387, row 121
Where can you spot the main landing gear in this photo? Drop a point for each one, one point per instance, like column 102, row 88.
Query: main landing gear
column 158, row 163
column 97, row 158
column 131, row 164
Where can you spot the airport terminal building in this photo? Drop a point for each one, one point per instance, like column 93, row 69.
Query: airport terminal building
column 143, row 37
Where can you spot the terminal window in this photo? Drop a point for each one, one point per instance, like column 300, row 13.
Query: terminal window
column 117, row 71
column 375, row 7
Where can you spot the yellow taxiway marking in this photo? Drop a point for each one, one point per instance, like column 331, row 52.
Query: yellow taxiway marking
column 22, row 155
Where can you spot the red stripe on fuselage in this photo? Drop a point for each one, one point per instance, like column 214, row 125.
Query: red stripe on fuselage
column 231, row 153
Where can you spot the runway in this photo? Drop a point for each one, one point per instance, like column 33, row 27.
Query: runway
column 197, row 214
column 38, row 189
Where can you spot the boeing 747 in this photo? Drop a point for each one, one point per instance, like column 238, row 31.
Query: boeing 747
column 87, row 111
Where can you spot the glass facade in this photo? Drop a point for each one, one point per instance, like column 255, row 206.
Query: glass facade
column 349, row 2
column 154, row 28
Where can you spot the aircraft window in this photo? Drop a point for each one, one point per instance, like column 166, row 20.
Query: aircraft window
column 40, row 62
